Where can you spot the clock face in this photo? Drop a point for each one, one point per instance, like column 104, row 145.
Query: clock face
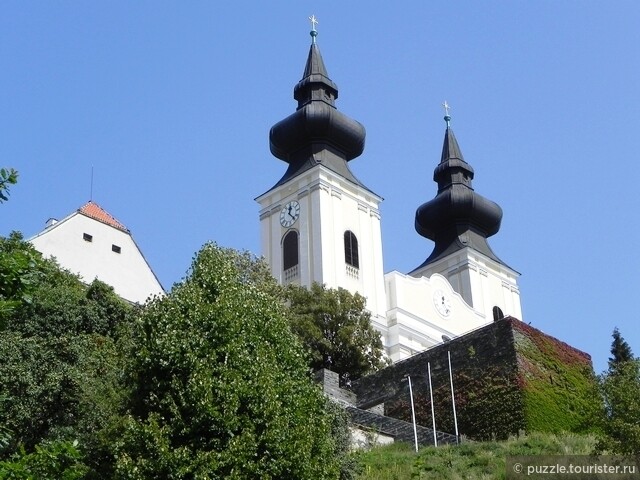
column 289, row 214
column 442, row 303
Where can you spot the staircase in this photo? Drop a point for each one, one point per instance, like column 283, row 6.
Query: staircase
column 400, row 430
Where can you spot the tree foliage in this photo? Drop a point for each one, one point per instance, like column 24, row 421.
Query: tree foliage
column 50, row 461
column 64, row 388
column 209, row 382
column 21, row 266
column 60, row 374
column 620, row 390
column 336, row 329
column 8, row 176
column 620, row 350
column 38, row 298
column 350, row 465
column 219, row 383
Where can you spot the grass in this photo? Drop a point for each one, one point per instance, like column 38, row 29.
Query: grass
column 388, row 462
column 473, row 461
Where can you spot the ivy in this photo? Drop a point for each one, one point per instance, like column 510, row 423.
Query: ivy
column 558, row 384
column 509, row 378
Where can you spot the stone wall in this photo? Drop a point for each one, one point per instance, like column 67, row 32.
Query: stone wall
column 492, row 376
column 373, row 419
column 330, row 382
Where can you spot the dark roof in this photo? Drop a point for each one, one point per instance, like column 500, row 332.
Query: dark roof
column 317, row 133
column 457, row 217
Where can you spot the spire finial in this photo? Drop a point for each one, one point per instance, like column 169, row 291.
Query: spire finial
column 314, row 32
column 447, row 117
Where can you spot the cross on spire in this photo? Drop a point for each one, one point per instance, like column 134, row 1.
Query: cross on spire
column 314, row 22
column 447, row 117
column 314, row 32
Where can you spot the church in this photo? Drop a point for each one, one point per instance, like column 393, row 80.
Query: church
column 460, row 306
column 319, row 223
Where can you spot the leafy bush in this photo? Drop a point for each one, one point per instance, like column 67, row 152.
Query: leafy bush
column 335, row 328
column 219, row 384
column 60, row 375
column 52, row 461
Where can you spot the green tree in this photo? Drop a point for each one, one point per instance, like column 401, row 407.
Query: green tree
column 51, row 461
column 219, row 384
column 620, row 391
column 21, row 267
column 336, row 329
column 350, row 465
column 42, row 299
column 63, row 388
column 60, row 374
column 5, row 432
column 8, row 176
column 620, row 350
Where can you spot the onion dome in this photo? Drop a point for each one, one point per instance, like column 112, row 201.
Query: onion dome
column 457, row 217
column 317, row 133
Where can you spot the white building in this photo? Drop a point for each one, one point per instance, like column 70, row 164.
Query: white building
column 93, row 244
column 319, row 223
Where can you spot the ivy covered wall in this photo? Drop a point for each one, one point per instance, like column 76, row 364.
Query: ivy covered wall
column 508, row 377
column 557, row 381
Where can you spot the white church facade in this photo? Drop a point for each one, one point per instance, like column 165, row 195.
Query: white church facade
column 319, row 223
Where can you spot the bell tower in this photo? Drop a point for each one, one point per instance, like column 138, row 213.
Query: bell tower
column 459, row 221
column 319, row 223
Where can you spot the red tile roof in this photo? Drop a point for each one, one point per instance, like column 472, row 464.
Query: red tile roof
column 95, row 211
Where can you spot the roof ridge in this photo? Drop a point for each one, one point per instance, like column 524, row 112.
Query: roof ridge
column 95, row 211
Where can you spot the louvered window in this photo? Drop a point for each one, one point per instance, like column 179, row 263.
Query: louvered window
column 290, row 250
column 351, row 249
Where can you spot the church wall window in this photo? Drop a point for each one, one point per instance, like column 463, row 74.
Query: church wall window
column 351, row 249
column 497, row 314
column 290, row 255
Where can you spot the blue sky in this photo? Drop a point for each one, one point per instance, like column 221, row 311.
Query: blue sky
column 171, row 103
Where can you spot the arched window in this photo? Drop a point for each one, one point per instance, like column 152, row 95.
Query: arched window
column 351, row 249
column 290, row 250
column 497, row 314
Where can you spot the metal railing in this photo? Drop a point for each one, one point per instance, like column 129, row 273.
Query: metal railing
column 291, row 273
column 352, row 271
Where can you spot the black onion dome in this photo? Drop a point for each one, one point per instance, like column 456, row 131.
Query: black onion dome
column 317, row 133
column 457, row 217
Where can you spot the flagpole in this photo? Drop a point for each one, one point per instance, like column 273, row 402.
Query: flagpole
column 413, row 414
column 453, row 398
column 433, row 414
